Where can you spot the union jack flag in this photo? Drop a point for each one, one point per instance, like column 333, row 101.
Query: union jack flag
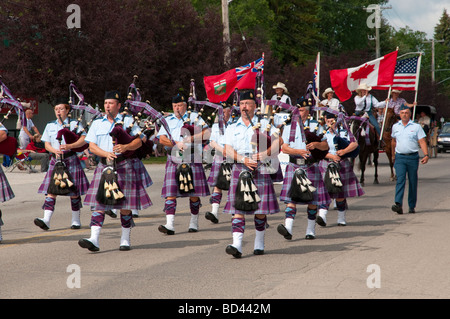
column 249, row 67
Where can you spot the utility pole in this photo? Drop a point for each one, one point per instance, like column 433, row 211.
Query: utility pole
column 433, row 71
column 374, row 21
column 226, row 33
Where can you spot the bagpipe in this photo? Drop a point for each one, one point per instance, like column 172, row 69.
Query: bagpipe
column 109, row 191
column 72, row 136
column 9, row 145
column 60, row 178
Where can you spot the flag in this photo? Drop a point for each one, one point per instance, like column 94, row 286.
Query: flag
column 378, row 72
column 406, row 75
column 220, row 87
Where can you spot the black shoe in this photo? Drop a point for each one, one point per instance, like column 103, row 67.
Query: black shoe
column 320, row 221
column 258, row 252
column 231, row 250
column 397, row 208
column 412, row 211
column 124, row 248
column 211, row 217
column 283, row 231
column 309, row 236
column 111, row 213
column 192, row 230
column 40, row 223
column 164, row 230
column 86, row 243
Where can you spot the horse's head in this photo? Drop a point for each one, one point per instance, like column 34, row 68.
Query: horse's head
column 391, row 119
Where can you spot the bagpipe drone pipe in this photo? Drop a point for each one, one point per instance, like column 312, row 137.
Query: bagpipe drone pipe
column 72, row 136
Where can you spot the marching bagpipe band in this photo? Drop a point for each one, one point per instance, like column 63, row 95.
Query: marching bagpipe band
column 9, row 145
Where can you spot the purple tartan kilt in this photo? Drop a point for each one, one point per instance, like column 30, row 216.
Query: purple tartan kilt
column 6, row 192
column 215, row 168
column 142, row 172
column 76, row 171
column 130, row 182
column 170, row 186
column 321, row 196
column 352, row 187
column 269, row 203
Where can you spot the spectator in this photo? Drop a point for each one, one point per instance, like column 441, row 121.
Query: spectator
column 26, row 135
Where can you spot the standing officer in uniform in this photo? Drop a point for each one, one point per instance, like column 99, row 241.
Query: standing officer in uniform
column 407, row 136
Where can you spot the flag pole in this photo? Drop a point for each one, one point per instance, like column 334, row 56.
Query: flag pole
column 385, row 112
column 417, row 85
column 318, row 83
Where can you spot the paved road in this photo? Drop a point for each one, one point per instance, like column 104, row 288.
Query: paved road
column 378, row 255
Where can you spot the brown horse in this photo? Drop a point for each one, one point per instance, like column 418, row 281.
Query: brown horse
column 366, row 148
column 391, row 119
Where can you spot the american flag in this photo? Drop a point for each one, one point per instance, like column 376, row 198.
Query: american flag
column 406, row 75
column 252, row 66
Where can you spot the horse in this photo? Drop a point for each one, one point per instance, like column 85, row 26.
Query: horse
column 391, row 119
column 368, row 144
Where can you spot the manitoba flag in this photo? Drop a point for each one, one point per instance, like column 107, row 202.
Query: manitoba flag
column 374, row 73
column 220, row 87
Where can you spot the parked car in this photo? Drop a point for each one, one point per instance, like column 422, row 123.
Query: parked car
column 443, row 139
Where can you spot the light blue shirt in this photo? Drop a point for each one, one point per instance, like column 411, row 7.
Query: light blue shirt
column 99, row 131
column 175, row 124
column 3, row 128
column 51, row 132
column 299, row 144
column 215, row 134
column 239, row 136
column 329, row 137
column 407, row 137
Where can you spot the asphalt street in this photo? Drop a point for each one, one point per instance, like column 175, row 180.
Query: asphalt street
column 379, row 254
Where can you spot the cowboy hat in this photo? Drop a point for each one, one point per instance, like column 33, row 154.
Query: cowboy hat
column 363, row 86
column 396, row 91
column 281, row 86
column 329, row 90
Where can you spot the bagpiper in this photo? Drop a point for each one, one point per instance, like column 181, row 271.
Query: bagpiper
column 118, row 179
column 185, row 175
column 303, row 183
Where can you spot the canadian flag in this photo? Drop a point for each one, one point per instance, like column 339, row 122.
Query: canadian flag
column 374, row 73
